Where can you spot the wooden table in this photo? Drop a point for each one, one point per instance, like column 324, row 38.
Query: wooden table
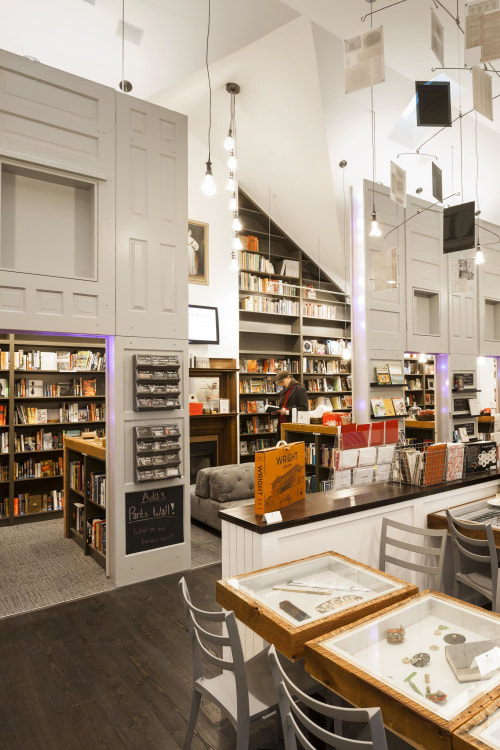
column 473, row 735
column 251, row 598
column 356, row 663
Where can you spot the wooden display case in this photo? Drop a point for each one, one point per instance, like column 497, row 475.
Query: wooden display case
column 359, row 663
column 482, row 732
column 354, row 590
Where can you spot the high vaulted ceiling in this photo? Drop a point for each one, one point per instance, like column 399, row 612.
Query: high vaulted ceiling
column 295, row 122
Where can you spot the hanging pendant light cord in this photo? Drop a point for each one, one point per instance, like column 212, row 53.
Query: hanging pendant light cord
column 123, row 42
column 209, row 82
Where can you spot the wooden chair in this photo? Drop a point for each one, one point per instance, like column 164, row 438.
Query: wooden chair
column 475, row 558
column 302, row 727
column 244, row 691
column 394, row 549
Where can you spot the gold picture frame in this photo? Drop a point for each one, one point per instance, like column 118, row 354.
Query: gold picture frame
column 198, row 252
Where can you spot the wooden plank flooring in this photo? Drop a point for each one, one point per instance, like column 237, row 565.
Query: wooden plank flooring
column 111, row 671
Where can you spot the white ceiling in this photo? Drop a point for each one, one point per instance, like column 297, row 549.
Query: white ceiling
column 295, row 122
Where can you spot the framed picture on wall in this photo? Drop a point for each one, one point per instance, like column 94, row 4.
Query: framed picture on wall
column 198, row 252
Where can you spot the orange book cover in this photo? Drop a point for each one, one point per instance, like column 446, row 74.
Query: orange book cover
column 280, row 477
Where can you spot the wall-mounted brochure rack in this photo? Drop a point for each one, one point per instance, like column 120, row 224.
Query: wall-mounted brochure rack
column 157, row 452
column 157, row 382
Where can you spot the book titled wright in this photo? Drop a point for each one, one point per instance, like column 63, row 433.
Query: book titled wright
column 462, row 655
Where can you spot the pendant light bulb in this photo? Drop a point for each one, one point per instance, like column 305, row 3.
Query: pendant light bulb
column 346, row 353
column 237, row 226
column 208, row 185
column 237, row 243
column 374, row 229
column 229, row 141
column 423, row 358
column 232, row 162
column 234, row 261
column 479, row 259
column 233, row 203
column 231, row 183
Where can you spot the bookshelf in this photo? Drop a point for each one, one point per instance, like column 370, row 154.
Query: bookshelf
column 52, row 387
column 320, row 443
column 85, row 495
column 292, row 317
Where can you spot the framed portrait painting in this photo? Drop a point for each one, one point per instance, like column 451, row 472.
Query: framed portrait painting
column 198, row 252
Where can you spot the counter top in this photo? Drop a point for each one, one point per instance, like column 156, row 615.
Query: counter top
column 321, row 505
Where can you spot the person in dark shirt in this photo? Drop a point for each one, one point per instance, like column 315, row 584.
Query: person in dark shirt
column 293, row 396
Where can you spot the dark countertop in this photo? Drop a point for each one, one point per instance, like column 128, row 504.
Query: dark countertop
column 321, row 505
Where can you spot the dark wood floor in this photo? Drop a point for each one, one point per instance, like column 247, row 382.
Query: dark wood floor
column 112, row 671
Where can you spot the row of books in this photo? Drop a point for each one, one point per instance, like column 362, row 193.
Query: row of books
column 259, row 385
column 28, row 388
column 318, row 310
column 4, row 507
column 329, row 346
column 338, row 383
column 414, row 384
column 388, row 407
column 4, row 388
column 73, row 412
column 257, row 425
column 250, row 242
column 76, row 475
column 42, row 440
column 250, row 283
column 271, row 365
column 331, row 402
column 4, row 414
column 4, row 472
column 390, row 374
column 4, row 442
column 327, row 366
column 250, row 261
column 4, row 359
column 96, row 534
column 97, row 488
column 84, row 359
column 253, row 407
column 268, row 305
column 249, row 447
column 28, row 502
column 29, row 468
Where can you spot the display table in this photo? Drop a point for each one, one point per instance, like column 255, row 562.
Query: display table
column 480, row 511
column 347, row 521
column 325, row 592
column 482, row 732
column 399, row 659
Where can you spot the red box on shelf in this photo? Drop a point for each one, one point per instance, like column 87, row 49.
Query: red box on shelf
column 195, row 408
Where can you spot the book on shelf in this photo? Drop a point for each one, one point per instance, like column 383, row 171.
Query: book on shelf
column 63, row 360
column 48, row 360
column 3, row 414
column 4, row 387
column 289, row 267
column 382, row 375
column 250, row 242
column 389, row 408
column 378, row 407
column 474, row 407
column 399, row 406
column 89, row 387
column 396, row 374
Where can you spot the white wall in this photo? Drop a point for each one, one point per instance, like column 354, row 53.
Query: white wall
column 486, row 381
column 222, row 289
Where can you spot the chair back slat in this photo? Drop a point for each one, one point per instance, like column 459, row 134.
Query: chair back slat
column 418, row 562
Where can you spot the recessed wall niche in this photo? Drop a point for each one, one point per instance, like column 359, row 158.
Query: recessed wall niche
column 426, row 313
column 492, row 319
column 48, row 223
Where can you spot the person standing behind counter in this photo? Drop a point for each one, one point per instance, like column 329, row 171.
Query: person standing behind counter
column 293, row 396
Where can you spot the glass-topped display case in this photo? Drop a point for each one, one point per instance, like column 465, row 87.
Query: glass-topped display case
column 479, row 511
column 482, row 732
column 291, row 603
column 426, row 662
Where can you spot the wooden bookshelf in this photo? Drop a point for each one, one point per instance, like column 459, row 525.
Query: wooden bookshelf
column 50, row 386
column 292, row 317
column 85, row 495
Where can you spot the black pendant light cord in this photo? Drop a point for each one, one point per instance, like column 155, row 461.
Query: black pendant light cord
column 209, row 82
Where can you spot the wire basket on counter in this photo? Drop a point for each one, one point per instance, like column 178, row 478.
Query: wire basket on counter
column 425, row 464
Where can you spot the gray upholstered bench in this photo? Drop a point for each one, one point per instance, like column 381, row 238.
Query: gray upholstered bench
column 221, row 486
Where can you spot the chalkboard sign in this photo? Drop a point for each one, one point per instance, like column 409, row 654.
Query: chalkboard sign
column 154, row 519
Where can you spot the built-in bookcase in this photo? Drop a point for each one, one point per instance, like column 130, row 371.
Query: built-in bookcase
column 292, row 317
column 51, row 387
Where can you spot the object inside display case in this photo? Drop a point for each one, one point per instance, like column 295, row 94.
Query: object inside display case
column 422, row 649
